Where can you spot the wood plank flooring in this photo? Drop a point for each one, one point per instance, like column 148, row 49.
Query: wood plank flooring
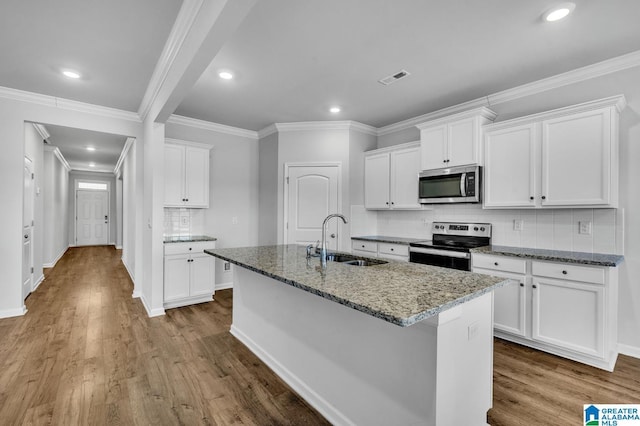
column 86, row 353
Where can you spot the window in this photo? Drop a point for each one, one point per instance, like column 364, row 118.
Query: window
column 92, row 185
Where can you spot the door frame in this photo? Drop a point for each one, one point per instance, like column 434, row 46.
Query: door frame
column 287, row 167
column 31, row 227
column 75, row 207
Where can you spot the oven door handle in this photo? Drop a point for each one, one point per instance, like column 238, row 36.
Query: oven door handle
column 463, row 184
column 437, row 252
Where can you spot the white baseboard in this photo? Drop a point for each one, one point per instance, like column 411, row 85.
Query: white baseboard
column 58, row 257
column 129, row 272
column 37, row 283
column 151, row 312
column 632, row 351
column 7, row 313
column 224, row 286
column 136, row 294
column 118, row 247
column 316, row 401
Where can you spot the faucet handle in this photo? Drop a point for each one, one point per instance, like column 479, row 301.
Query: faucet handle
column 318, row 246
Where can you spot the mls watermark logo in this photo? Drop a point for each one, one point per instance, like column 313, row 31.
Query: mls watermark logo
column 611, row 414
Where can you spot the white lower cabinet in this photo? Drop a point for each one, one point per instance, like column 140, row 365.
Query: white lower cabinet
column 391, row 251
column 566, row 309
column 189, row 274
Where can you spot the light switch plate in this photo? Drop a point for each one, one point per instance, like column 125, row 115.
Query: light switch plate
column 518, row 224
column 184, row 220
column 584, row 227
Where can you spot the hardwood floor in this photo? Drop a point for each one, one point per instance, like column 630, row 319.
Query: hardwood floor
column 86, row 353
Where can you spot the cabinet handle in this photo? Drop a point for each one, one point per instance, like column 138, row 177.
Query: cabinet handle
column 534, row 286
column 392, row 203
column 387, row 203
column 521, row 284
column 495, row 263
column 544, row 198
column 531, row 198
column 564, row 272
column 363, row 246
column 391, row 249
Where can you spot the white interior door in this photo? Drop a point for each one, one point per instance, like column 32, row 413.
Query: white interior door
column 312, row 194
column 27, row 228
column 92, row 217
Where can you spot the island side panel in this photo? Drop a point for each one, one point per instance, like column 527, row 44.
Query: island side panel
column 355, row 368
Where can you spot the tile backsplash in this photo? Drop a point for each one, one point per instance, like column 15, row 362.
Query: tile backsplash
column 183, row 222
column 556, row 229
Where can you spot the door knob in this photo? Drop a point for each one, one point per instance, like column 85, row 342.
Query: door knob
column 333, row 235
column 26, row 236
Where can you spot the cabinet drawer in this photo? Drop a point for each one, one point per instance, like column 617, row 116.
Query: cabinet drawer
column 499, row 263
column 364, row 246
column 188, row 248
column 394, row 249
column 564, row 271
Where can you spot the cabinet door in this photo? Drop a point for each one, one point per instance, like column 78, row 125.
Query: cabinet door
column 462, row 143
column 197, row 177
column 405, row 166
column 433, row 147
column 176, row 277
column 569, row 315
column 202, row 275
column 376, row 181
column 511, row 167
column 174, row 175
column 576, row 159
column 509, row 305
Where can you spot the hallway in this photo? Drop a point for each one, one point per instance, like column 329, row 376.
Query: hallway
column 87, row 353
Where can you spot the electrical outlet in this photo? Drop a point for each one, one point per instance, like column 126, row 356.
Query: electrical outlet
column 184, row 220
column 518, row 224
column 227, row 266
column 234, row 220
column 584, row 227
column 425, row 221
column 472, row 331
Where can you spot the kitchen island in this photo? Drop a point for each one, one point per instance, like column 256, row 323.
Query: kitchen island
column 396, row 343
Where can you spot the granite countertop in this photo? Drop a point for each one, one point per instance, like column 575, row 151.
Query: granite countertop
column 387, row 239
column 401, row 293
column 188, row 238
column 597, row 259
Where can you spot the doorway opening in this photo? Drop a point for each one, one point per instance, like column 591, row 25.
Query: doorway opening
column 93, row 221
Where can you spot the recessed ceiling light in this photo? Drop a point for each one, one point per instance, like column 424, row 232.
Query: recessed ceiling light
column 558, row 12
column 334, row 109
column 90, row 148
column 71, row 74
column 92, row 164
column 225, row 75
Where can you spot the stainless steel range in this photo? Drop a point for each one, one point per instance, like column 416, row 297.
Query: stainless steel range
column 450, row 244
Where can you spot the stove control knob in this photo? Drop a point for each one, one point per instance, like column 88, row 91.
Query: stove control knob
column 475, row 228
column 482, row 229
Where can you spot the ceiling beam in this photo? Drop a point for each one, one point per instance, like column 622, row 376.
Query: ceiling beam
column 201, row 29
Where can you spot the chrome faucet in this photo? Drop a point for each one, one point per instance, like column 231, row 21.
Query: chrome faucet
column 323, row 249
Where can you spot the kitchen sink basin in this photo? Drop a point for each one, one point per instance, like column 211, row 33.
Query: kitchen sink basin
column 347, row 259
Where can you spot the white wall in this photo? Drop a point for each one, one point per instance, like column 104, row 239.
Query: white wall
column 92, row 176
column 557, row 229
column 267, row 190
column 233, row 190
column 33, row 149
column 128, row 173
column 56, row 203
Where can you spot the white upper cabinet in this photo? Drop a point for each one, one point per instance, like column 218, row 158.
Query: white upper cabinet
column 391, row 177
column 186, row 171
column 561, row 158
column 455, row 140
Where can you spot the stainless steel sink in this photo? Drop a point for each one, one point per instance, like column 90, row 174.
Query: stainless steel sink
column 347, row 259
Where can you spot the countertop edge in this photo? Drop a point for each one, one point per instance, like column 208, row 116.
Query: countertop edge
column 387, row 239
column 615, row 261
column 193, row 239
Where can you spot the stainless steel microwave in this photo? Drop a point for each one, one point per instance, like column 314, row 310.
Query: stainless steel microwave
column 451, row 185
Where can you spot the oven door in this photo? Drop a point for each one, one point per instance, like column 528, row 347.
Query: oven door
column 444, row 258
column 452, row 185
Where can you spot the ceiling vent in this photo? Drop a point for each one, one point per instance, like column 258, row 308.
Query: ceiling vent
column 394, row 77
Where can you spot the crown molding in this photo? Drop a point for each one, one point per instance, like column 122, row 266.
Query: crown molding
column 588, row 72
column 179, row 32
column 214, row 127
column 269, row 130
column 51, row 101
column 363, row 128
column 188, row 143
column 618, row 102
column 44, row 134
column 318, row 125
column 482, row 112
column 58, row 154
column 92, row 171
column 123, row 155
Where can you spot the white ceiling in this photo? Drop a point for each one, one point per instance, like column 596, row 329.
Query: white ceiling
column 73, row 145
column 293, row 59
column 114, row 44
